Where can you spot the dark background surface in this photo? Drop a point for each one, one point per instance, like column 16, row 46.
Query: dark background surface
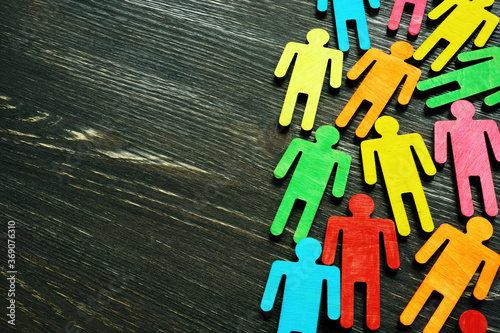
column 138, row 141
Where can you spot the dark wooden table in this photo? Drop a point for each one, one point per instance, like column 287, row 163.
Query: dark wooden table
column 138, row 141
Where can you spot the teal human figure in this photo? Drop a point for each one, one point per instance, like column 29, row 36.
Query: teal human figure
column 310, row 177
column 303, row 288
column 475, row 79
column 350, row 10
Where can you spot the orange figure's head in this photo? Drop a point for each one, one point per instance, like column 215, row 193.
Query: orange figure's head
column 402, row 50
column 479, row 228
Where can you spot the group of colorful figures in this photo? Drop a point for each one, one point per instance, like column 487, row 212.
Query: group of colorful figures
column 463, row 252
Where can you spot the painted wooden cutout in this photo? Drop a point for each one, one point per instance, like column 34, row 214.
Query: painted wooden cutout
column 457, row 27
column 308, row 183
column 473, row 322
column 470, row 153
column 302, row 293
column 399, row 170
column 308, row 74
column 360, row 256
column 349, row 10
column 416, row 17
column 380, row 83
column 453, row 270
column 488, row 70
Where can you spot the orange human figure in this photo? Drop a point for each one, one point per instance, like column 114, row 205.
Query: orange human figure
column 453, row 270
column 360, row 256
column 387, row 73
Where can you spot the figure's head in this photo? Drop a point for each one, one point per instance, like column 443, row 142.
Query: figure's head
column 479, row 228
column 327, row 134
column 402, row 50
column 463, row 109
column 308, row 249
column 318, row 36
column 386, row 125
column 485, row 3
column 361, row 205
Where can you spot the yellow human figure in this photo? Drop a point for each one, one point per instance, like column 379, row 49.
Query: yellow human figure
column 465, row 18
column 308, row 74
column 399, row 170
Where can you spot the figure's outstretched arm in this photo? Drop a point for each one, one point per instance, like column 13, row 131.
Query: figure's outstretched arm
column 409, row 86
column 423, row 155
column 336, row 58
column 478, row 54
column 287, row 159
column 487, row 276
column 322, row 5
column 494, row 136
column 331, row 239
column 486, row 30
column 368, row 160
column 442, row 8
column 390, row 243
column 370, row 56
column 333, row 293
column 444, row 232
column 492, row 99
column 341, row 175
column 286, row 59
column 272, row 285
column 440, row 142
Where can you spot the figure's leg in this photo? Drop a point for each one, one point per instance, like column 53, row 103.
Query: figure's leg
column 449, row 97
column 351, row 107
column 371, row 116
column 306, row 219
column 416, row 18
column 310, row 110
column 398, row 209
column 288, row 106
column 424, row 213
column 283, row 212
column 397, row 12
column 440, row 316
column 445, row 56
column 363, row 36
column 416, row 304
column 427, row 45
column 347, row 303
column 342, row 35
column 464, row 195
column 373, row 302
column 492, row 99
column 489, row 197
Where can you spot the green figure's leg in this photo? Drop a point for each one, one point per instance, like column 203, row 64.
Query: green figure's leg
column 449, row 97
column 445, row 56
column 283, row 213
column 438, row 81
column 424, row 213
column 492, row 99
column 306, row 221
column 398, row 209
column 288, row 107
column 310, row 110
column 440, row 315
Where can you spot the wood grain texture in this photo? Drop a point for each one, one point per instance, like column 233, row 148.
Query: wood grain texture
column 138, row 141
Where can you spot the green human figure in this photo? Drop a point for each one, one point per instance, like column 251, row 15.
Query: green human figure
column 473, row 80
column 309, row 180
column 308, row 74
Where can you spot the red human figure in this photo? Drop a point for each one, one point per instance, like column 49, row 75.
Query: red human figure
column 473, row 322
column 360, row 256
column 416, row 17
column 470, row 153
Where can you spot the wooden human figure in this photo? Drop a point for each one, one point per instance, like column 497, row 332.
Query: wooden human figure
column 310, row 177
column 399, row 170
column 457, row 27
column 470, row 153
column 302, row 294
column 387, row 73
column 472, row 321
column 416, row 17
column 360, row 256
column 453, row 270
column 350, row 10
column 467, row 78
column 308, row 74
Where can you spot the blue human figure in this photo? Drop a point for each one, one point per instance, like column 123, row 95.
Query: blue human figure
column 350, row 10
column 303, row 288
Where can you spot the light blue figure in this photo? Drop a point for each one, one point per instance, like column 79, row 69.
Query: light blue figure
column 303, row 288
column 350, row 10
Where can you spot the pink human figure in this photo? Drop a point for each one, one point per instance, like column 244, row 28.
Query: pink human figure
column 470, row 154
column 360, row 256
column 416, row 17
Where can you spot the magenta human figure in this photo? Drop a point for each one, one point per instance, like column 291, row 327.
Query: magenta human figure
column 416, row 17
column 470, row 153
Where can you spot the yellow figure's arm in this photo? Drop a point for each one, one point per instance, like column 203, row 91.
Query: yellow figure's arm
column 336, row 58
column 363, row 63
column 286, row 59
column 442, row 8
column 488, row 28
column 423, row 155
column 368, row 160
